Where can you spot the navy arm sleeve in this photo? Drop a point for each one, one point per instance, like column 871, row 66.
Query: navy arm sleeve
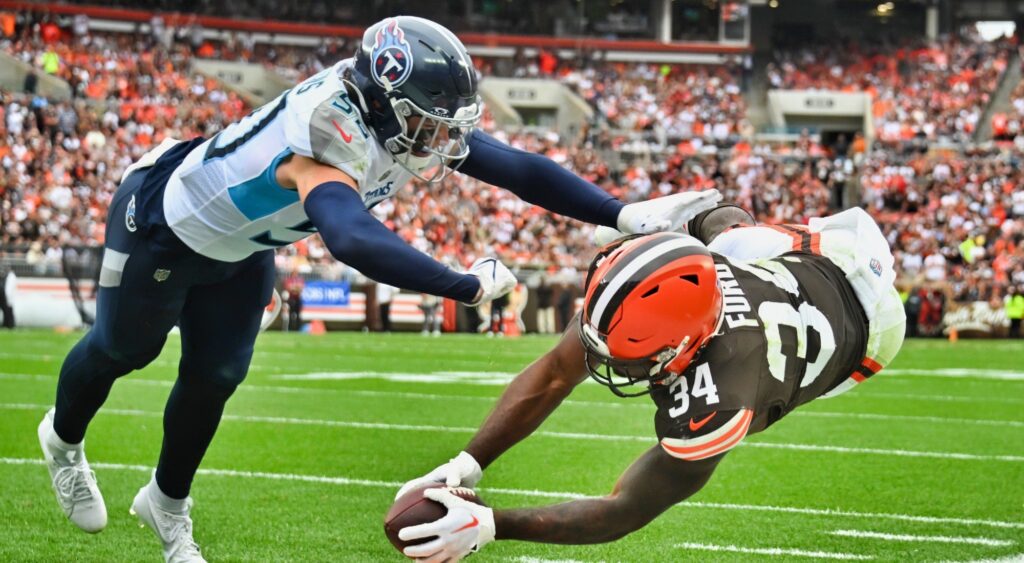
column 357, row 238
column 539, row 180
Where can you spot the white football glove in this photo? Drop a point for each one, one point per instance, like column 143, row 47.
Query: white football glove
column 465, row 529
column 667, row 213
column 604, row 235
column 495, row 279
column 460, row 471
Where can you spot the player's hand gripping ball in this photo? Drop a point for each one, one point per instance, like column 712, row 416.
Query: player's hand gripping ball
column 413, row 508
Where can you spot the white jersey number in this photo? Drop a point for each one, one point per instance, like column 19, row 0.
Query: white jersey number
column 784, row 345
column 703, row 386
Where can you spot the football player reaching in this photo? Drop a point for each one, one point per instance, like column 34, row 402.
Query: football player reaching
column 728, row 329
column 192, row 229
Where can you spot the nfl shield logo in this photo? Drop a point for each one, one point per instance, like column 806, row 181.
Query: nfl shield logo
column 161, row 275
column 876, row 267
column 391, row 56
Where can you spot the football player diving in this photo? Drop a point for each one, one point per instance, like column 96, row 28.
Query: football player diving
column 695, row 321
column 191, row 233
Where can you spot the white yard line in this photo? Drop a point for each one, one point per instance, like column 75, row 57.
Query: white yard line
column 853, row 514
column 858, row 394
column 773, row 551
column 880, row 451
column 527, row 559
column 958, row 373
column 345, row 481
column 910, row 418
column 639, row 405
column 912, row 538
column 548, row 434
column 59, row 358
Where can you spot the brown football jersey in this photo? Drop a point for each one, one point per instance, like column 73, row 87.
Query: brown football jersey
column 792, row 329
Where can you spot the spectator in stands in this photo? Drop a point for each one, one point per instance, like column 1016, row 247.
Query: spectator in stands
column 497, row 324
column 430, row 305
column 293, row 286
column 385, row 295
column 545, row 306
column 8, row 288
column 566, row 304
column 1014, row 306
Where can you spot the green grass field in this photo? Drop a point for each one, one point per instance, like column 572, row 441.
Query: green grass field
column 923, row 463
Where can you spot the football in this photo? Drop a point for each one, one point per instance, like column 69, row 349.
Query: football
column 413, row 508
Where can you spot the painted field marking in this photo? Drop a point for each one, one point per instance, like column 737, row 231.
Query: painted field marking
column 773, row 551
column 913, row 538
column 957, row 373
column 549, row 434
column 603, row 404
column 345, row 481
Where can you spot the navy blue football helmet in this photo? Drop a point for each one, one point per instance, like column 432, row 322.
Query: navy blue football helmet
column 409, row 67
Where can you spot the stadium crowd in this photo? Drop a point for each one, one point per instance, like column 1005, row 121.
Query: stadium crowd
column 1009, row 125
column 955, row 217
column 921, row 91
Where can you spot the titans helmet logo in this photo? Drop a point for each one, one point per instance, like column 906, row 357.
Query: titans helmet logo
column 391, row 56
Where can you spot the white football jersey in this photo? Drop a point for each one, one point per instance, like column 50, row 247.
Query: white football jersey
column 224, row 201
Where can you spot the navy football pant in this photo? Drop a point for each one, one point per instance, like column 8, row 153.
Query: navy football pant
column 150, row 280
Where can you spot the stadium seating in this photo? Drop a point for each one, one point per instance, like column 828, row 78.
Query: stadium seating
column 957, row 215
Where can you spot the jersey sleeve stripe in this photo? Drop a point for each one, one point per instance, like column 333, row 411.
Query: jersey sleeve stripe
column 816, row 243
column 872, row 365
column 867, row 368
column 722, row 448
column 714, row 443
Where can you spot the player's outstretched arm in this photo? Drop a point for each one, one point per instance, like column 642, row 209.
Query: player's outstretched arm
column 357, row 238
column 531, row 397
column 541, row 181
column 524, row 405
column 538, row 180
column 651, row 485
column 706, row 226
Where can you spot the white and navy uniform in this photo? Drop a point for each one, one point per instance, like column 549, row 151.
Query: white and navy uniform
column 190, row 240
column 223, row 200
column 192, row 228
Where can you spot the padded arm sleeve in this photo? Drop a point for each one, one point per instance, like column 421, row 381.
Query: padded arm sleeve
column 539, row 180
column 713, row 222
column 357, row 238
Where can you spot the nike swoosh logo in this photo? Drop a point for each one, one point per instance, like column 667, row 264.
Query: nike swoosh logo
column 344, row 136
column 695, row 426
column 472, row 524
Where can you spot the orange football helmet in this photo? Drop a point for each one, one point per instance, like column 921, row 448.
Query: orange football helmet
column 652, row 302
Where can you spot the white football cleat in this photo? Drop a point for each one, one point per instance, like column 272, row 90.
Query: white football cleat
column 173, row 528
column 72, row 480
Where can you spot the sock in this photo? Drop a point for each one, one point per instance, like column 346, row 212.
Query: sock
column 164, row 502
column 54, row 442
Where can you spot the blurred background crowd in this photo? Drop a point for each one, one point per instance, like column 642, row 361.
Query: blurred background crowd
column 950, row 203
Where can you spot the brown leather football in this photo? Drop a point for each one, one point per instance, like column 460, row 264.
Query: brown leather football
column 413, row 508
